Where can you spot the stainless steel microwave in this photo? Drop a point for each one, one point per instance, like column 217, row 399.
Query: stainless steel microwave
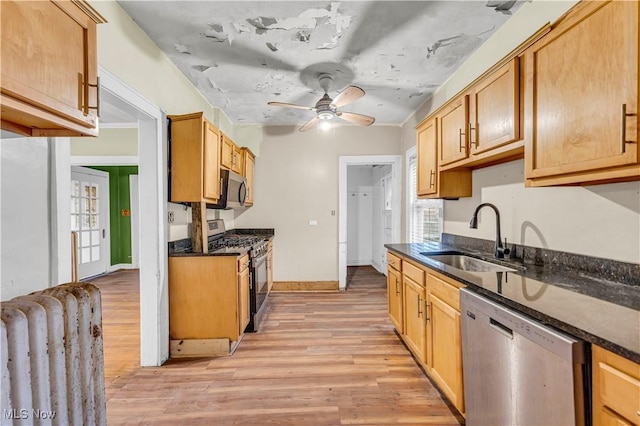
column 233, row 191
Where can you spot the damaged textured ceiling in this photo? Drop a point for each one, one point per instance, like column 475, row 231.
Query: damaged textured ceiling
column 242, row 54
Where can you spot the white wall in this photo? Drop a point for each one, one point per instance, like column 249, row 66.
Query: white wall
column 296, row 180
column 359, row 215
column 111, row 142
column 599, row 220
column 24, row 169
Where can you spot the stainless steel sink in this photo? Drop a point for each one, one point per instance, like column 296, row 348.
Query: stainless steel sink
column 468, row 263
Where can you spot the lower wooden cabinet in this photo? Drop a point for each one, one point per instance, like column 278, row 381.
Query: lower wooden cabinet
column 616, row 389
column 208, row 303
column 394, row 291
column 444, row 338
column 414, row 307
column 429, row 305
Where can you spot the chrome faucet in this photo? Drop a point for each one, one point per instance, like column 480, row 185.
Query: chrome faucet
column 499, row 251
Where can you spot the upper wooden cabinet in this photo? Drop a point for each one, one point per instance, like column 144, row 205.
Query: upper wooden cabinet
column 226, row 152
column 581, row 98
column 48, row 80
column 494, row 115
column 248, row 164
column 230, row 155
column 427, row 158
column 237, row 165
column 431, row 181
column 195, row 150
column 452, row 131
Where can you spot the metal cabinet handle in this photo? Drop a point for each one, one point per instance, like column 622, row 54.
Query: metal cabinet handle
column 97, row 86
column 462, row 145
column 623, row 129
column 431, row 176
column 426, row 311
column 397, row 292
column 419, row 311
column 471, row 131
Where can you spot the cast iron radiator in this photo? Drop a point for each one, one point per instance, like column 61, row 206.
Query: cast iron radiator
column 51, row 358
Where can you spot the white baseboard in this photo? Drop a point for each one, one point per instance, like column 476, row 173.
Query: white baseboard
column 359, row 262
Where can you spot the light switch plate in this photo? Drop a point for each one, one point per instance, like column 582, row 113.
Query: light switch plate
column 313, row 222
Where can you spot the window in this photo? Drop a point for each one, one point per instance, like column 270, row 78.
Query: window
column 424, row 216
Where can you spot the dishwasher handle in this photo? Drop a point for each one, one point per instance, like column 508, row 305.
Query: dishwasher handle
column 501, row 328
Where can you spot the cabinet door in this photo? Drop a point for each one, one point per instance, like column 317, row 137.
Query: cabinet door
column 237, row 164
column 495, row 110
column 452, row 125
column 243, row 300
column 249, row 164
column 226, row 153
column 48, row 60
column 394, row 296
column 581, row 95
column 427, row 159
column 414, row 306
column 616, row 388
column 210, row 163
column 445, row 349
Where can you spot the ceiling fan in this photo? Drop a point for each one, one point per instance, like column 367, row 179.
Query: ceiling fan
column 326, row 108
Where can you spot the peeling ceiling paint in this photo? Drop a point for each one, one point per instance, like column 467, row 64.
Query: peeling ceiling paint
column 242, row 54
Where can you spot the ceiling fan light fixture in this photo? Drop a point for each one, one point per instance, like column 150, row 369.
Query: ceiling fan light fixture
column 325, row 115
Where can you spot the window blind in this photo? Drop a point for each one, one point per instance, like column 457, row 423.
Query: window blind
column 425, row 216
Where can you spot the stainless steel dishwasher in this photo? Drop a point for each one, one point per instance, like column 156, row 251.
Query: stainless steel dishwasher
column 518, row 371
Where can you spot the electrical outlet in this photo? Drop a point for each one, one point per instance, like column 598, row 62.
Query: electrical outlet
column 171, row 217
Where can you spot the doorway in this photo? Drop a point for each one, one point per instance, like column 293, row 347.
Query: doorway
column 152, row 203
column 385, row 221
column 90, row 220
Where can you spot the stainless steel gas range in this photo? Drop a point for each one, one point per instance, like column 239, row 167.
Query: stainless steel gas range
column 256, row 244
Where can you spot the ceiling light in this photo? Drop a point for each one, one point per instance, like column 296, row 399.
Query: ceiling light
column 324, row 125
column 325, row 115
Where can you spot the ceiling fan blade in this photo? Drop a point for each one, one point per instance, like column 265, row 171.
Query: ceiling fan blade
column 363, row 120
column 348, row 95
column 309, row 124
column 284, row 104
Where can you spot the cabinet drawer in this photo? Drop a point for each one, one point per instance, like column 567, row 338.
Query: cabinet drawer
column 413, row 272
column 619, row 391
column 394, row 261
column 444, row 291
column 243, row 262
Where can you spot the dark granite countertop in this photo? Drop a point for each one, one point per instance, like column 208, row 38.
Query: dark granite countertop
column 227, row 251
column 183, row 247
column 597, row 310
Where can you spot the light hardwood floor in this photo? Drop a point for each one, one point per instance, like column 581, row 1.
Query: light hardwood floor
column 319, row 359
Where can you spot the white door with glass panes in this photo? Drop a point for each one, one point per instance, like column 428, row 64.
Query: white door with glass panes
column 90, row 219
